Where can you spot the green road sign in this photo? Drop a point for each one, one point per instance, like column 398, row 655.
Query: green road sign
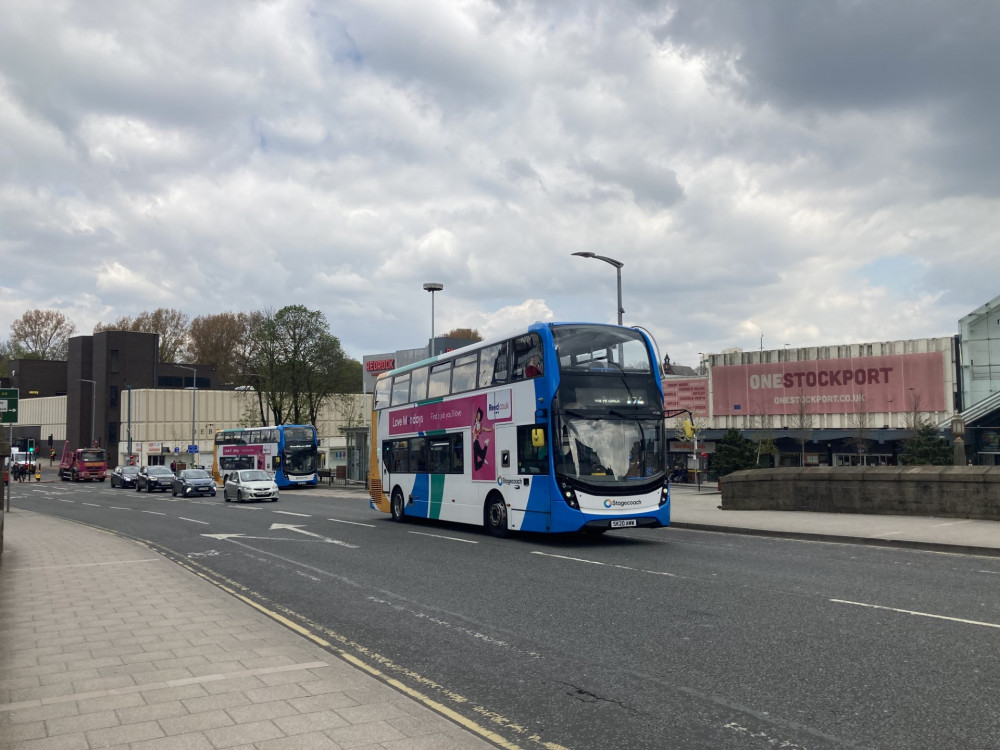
column 8, row 405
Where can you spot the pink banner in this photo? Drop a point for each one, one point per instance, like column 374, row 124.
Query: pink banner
column 689, row 393
column 896, row 383
column 477, row 413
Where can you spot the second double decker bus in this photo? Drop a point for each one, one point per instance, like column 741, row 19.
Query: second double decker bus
column 557, row 429
column 289, row 451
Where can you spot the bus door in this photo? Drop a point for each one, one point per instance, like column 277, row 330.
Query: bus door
column 523, row 467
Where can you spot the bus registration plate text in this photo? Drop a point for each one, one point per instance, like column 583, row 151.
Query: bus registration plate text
column 622, row 523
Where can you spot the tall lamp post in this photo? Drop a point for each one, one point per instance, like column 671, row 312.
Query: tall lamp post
column 618, row 269
column 93, row 406
column 433, row 286
column 194, row 399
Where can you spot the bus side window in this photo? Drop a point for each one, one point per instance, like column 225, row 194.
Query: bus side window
column 493, row 365
column 382, row 390
column 527, row 357
column 418, row 385
column 440, row 380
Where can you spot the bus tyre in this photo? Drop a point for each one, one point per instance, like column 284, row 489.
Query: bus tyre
column 495, row 515
column 396, row 505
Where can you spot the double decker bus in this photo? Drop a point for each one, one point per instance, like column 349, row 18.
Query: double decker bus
column 557, row 429
column 289, row 451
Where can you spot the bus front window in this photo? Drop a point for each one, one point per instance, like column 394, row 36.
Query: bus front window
column 301, row 460
column 609, row 450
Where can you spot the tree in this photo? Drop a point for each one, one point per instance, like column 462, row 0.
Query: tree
column 171, row 325
column 296, row 364
column 802, row 423
column 860, row 421
column 732, row 453
column 926, row 448
column 464, row 333
column 218, row 340
column 41, row 334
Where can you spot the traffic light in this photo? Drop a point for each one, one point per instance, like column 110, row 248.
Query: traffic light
column 31, row 445
column 50, row 441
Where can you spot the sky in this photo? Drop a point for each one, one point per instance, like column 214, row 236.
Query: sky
column 797, row 172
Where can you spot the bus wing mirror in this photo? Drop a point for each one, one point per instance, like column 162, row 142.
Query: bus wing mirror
column 538, row 438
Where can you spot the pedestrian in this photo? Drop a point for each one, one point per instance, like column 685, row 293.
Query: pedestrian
column 15, row 471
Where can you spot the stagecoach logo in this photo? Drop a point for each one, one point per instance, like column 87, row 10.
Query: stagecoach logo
column 609, row 503
column 501, row 481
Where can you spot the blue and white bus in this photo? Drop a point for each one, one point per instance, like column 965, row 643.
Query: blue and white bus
column 557, row 429
column 289, row 451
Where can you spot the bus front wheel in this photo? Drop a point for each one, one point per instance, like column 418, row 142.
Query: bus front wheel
column 396, row 505
column 495, row 515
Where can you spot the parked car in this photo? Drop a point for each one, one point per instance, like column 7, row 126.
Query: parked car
column 193, row 482
column 250, row 484
column 152, row 478
column 124, row 476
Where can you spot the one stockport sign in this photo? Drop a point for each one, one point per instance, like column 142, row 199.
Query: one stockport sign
column 896, row 383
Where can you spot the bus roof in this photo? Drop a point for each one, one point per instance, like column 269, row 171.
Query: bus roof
column 537, row 326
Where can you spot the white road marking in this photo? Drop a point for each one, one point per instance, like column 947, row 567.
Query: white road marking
column 919, row 614
column 152, row 512
column 115, row 507
column 289, row 513
column 352, row 523
column 65, row 501
column 449, row 538
column 607, row 565
column 300, row 530
column 92, row 505
column 206, row 523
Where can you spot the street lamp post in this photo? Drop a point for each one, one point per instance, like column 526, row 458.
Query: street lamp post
column 433, row 286
column 618, row 269
column 194, row 399
column 93, row 406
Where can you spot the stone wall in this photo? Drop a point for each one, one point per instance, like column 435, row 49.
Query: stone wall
column 951, row 491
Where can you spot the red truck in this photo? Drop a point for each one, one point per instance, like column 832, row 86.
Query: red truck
column 83, row 463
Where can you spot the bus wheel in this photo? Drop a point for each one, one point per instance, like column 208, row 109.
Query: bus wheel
column 397, row 505
column 495, row 515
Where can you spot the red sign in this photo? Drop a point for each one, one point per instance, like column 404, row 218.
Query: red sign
column 687, row 393
column 379, row 365
column 896, row 383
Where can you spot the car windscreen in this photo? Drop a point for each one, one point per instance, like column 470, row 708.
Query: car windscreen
column 255, row 476
column 194, row 474
column 162, row 470
column 129, row 471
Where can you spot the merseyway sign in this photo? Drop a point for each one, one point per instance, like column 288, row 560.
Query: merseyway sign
column 8, row 405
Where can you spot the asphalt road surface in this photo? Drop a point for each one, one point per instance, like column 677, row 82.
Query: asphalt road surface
column 637, row 639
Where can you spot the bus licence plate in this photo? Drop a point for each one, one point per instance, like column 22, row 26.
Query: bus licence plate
column 622, row 523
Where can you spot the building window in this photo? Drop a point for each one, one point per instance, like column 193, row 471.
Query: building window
column 113, row 396
column 115, row 361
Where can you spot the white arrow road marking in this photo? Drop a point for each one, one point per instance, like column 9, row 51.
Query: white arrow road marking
column 300, row 530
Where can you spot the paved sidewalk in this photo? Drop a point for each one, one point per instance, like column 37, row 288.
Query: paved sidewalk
column 694, row 509
column 104, row 643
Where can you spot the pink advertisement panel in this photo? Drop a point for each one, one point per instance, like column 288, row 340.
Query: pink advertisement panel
column 894, row 383
column 690, row 394
column 478, row 413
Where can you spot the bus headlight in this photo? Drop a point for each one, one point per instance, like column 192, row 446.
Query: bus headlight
column 664, row 493
column 569, row 495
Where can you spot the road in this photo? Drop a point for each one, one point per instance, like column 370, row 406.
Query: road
column 637, row 639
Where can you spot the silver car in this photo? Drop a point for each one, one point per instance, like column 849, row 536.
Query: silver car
column 250, row 484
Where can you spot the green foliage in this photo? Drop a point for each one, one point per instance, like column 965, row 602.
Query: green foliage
column 927, row 448
column 733, row 453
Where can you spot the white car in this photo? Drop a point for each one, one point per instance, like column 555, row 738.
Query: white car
column 250, row 484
